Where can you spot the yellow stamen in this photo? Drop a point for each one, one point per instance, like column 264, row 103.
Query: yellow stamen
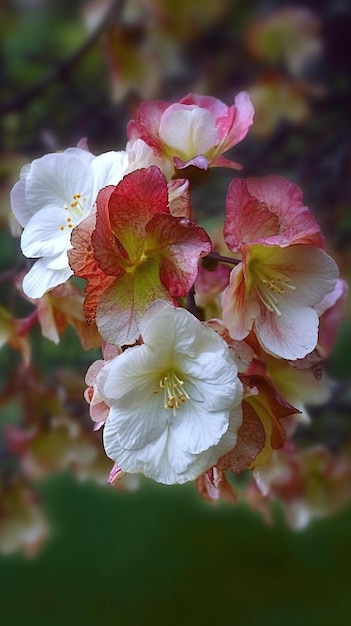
column 174, row 394
column 270, row 283
column 76, row 208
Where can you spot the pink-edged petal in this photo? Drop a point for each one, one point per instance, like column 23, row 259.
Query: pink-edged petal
column 239, row 312
column 241, row 208
column 221, row 161
column 243, row 114
column 133, row 203
column 179, row 244
column 198, row 161
column 285, row 199
column 211, row 104
column 281, row 218
column 147, row 122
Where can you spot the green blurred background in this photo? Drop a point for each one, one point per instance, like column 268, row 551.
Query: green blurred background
column 160, row 555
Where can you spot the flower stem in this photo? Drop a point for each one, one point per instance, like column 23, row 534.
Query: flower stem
column 222, row 259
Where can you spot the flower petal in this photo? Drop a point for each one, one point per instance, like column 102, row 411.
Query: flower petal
column 46, row 234
column 18, row 203
column 188, row 130
column 291, row 335
column 40, row 279
column 55, row 178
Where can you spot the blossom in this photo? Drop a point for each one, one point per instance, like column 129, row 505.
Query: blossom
column 135, row 251
column 310, row 483
column 196, row 131
column 284, row 272
column 55, row 193
column 175, row 400
column 274, row 291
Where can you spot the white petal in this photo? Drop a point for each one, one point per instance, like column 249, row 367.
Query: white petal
column 57, row 262
column 312, row 272
column 176, row 331
column 136, row 369
column 40, row 279
column 43, row 236
column 84, row 155
column 188, row 130
column 55, row 178
column 18, row 203
column 196, row 428
column 292, row 335
column 171, row 446
column 214, row 378
column 108, row 169
column 136, row 427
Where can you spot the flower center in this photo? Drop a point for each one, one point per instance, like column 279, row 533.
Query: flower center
column 269, row 284
column 174, row 394
column 76, row 208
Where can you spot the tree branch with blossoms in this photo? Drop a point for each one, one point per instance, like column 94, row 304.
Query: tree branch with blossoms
column 211, row 344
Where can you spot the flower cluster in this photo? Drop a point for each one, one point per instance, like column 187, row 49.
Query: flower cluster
column 212, row 343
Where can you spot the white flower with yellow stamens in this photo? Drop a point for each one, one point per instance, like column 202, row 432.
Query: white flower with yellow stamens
column 55, row 193
column 175, row 400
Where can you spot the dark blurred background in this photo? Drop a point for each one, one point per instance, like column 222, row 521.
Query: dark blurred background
column 77, row 551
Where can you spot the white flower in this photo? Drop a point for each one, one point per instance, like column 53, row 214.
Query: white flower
column 175, row 400
column 55, row 193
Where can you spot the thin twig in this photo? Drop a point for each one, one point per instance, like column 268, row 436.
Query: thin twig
column 222, row 259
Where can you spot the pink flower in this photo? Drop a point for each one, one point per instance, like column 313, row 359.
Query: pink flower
column 274, row 291
column 268, row 210
column 135, row 251
column 284, row 273
column 196, row 131
column 310, row 484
